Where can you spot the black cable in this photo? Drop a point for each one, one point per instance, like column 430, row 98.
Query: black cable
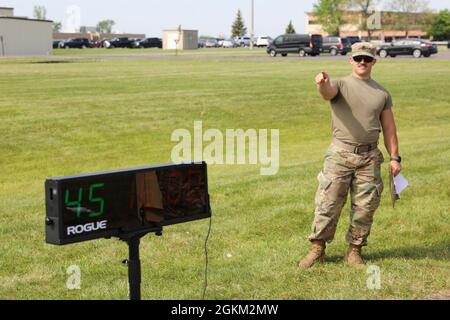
column 206, row 259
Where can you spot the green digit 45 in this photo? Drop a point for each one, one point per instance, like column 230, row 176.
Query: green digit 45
column 77, row 204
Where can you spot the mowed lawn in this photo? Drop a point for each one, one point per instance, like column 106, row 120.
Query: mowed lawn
column 98, row 114
column 147, row 51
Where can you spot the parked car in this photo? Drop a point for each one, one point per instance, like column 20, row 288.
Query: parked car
column 103, row 43
column 201, row 43
column 80, row 43
column 135, row 42
column 106, row 43
column 57, row 44
column 301, row 44
column 263, row 41
column 229, row 43
column 336, row 45
column 211, row 43
column 96, row 44
column 411, row 46
column 147, row 43
column 354, row 39
column 242, row 41
column 120, row 43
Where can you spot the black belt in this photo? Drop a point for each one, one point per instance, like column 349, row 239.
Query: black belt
column 355, row 149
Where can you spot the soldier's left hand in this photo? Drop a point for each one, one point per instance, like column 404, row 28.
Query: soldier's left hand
column 395, row 167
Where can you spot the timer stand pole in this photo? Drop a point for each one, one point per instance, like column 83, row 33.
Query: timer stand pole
column 134, row 268
column 134, row 263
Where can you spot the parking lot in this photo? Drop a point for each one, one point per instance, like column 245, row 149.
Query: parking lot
column 232, row 54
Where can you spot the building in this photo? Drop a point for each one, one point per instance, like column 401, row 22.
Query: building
column 6, row 12
column 388, row 31
column 20, row 36
column 86, row 29
column 180, row 39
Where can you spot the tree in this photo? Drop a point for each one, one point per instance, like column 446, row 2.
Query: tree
column 238, row 28
column 440, row 27
column 411, row 13
column 366, row 9
column 57, row 26
column 40, row 13
column 105, row 26
column 290, row 28
column 329, row 14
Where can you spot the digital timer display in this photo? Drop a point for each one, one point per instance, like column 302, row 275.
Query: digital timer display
column 114, row 203
column 76, row 205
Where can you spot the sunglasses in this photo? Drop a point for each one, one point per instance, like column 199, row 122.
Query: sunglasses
column 361, row 58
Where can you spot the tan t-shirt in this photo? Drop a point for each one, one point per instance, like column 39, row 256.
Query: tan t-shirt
column 356, row 110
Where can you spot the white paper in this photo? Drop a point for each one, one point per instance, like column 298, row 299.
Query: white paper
column 400, row 183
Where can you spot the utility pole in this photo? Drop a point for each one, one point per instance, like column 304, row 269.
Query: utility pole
column 252, row 25
column 178, row 40
column 3, row 46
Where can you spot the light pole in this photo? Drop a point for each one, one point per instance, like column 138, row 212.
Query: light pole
column 3, row 46
column 178, row 40
column 252, row 25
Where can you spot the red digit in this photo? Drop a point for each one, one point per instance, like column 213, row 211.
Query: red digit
column 174, row 191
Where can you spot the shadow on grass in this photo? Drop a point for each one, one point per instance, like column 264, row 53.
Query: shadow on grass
column 62, row 61
column 51, row 61
column 440, row 251
column 47, row 61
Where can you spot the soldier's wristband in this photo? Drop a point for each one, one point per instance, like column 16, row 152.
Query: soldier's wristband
column 398, row 159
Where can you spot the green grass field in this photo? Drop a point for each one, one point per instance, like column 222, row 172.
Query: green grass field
column 156, row 51
column 100, row 114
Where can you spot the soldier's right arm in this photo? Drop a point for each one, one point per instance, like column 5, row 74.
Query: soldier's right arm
column 326, row 88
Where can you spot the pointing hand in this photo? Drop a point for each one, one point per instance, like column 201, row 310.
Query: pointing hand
column 322, row 78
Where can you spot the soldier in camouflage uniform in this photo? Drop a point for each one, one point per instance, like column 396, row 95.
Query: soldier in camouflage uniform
column 360, row 109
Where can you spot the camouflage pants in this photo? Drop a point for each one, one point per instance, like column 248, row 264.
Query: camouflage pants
column 344, row 171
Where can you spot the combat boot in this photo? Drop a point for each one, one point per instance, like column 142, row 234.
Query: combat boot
column 317, row 254
column 354, row 258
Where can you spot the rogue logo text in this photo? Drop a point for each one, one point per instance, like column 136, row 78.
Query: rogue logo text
column 92, row 226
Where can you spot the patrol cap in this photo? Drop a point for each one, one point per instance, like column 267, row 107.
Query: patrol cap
column 363, row 49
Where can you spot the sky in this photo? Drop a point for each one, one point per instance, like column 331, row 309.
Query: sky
column 210, row 17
